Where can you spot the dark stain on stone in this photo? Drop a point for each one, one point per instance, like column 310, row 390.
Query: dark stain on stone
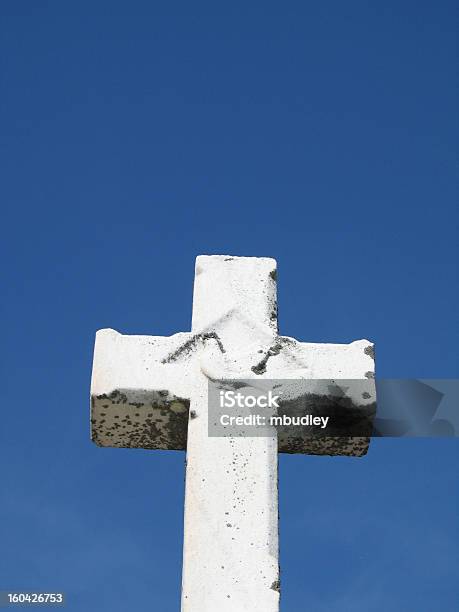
column 366, row 395
column 275, row 586
column 348, row 431
column 168, row 431
column 370, row 350
column 190, row 344
column 273, row 275
column 260, row 367
column 332, row 446
column 273, row 313
column 369, row 374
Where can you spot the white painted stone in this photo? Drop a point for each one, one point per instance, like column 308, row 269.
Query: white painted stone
column 231, row 531
column 144, row 387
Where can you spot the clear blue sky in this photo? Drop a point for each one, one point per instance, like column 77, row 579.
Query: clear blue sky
column 136, row 135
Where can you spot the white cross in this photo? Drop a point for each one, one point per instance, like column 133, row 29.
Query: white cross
column 151, row 392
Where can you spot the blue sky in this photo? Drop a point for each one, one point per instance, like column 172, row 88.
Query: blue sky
column 137, row 135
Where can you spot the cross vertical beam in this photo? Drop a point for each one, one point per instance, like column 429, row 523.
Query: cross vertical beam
column 230, row 558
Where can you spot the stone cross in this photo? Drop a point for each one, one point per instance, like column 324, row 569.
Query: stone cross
column 150, row 392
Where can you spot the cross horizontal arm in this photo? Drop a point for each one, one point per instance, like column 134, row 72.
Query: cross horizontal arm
column 141, row 387
column 140, row 391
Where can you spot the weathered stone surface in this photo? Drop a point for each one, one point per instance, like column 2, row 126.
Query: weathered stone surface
column 142, row 385
column 140, row 419
column 137, row 401
column 146, row 390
